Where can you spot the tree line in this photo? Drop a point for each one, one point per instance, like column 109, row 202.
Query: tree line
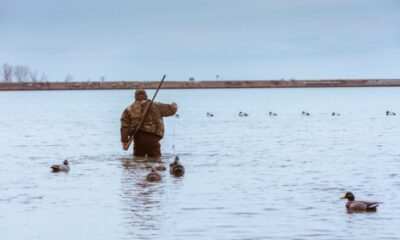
column 23, row 73
column 20, row 73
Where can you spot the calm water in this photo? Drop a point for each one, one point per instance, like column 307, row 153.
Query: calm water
column 258, row 177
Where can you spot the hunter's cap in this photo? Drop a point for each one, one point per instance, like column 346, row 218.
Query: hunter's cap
column 140, row 94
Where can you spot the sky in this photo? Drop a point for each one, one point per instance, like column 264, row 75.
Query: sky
column 234, row 39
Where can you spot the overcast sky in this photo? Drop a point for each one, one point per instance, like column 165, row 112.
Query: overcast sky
column 235, row 39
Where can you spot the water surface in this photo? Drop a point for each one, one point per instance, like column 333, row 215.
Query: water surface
column 255, row 177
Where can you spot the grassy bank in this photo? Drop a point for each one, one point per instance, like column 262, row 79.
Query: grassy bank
column 197, row 84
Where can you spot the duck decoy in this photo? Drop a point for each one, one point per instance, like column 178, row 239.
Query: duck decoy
column 176, row 168
column 305, row 113
column 160, row 167
column 272, row 114
column 153, row 176
column 358, row 206
column 335, row 114
column 210, row 114
column 61, row 168
column 243, row 114
column 389, row 113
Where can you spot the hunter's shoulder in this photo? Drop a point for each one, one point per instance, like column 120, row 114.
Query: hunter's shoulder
column 136, row 104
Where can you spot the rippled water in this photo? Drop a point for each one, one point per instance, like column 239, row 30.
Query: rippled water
column 255, row 177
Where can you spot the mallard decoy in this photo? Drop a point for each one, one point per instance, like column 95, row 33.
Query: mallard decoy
column 160, row 167
column 176, row 168
column 61, row 168
column 272, row 114
column 359, row 206
column 305, row 113
column 389, row 113
column 243, row 114
column 210, row 114
column 153, row 176
column 335, row 114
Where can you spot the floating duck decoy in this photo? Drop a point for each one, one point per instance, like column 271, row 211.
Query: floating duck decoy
column 210, row 114
column 177, row 115
column 389, row 113
column 243, row 114
column 61, row 168
column 153, row 176
column 359, row 206
column 176, row 168
column 305, row 113
column 335, row 114
column 160, row 167
column 272, row 114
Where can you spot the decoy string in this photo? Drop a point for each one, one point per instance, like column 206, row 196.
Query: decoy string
column 173, row 137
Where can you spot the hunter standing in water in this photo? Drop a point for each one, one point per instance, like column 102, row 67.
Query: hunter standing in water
column 147, row 139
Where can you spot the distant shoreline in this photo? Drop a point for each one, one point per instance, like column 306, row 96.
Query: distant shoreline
column 110, row 85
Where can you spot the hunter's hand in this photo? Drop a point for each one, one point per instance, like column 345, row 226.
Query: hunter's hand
column 124, row 145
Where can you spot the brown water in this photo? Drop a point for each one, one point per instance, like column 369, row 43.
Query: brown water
column 255, row 177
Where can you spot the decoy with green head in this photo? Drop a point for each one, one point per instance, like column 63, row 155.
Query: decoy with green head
column 359, row 206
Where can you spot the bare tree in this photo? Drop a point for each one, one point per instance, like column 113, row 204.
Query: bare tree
column 33, row 76
column 43, row 77
column 21, row 73
column 7, row 72
column 68, row 78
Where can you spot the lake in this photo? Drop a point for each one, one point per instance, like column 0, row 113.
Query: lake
column 255, row 177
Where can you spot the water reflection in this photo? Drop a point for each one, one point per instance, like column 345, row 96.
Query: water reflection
column 142, row 200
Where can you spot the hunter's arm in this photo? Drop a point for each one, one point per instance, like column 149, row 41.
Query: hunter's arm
column 125, row 125
column 167, row 109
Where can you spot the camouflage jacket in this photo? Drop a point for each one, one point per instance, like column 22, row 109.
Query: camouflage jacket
column 153, row 123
